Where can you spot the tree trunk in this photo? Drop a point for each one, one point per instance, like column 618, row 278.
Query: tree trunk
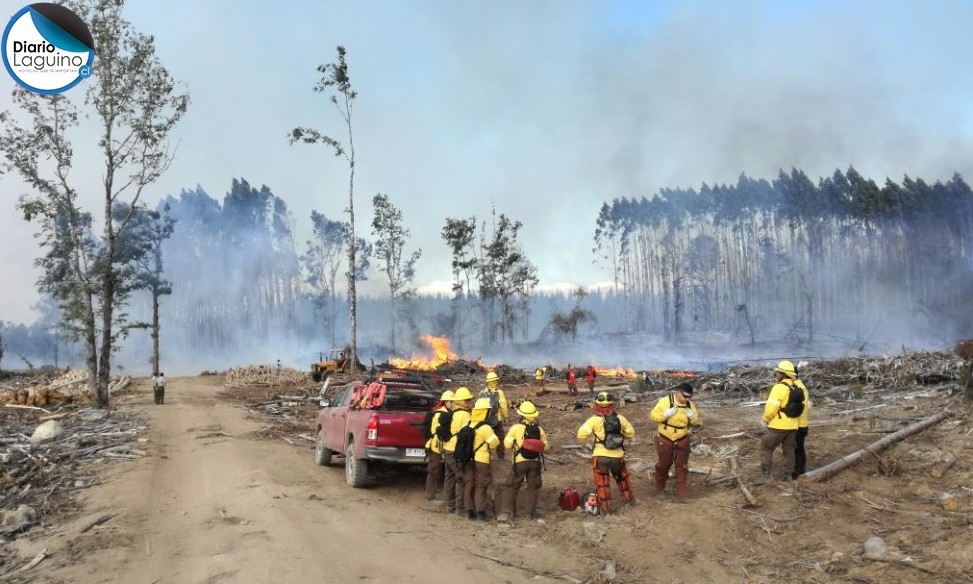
column 155, row 331
column 828, row 471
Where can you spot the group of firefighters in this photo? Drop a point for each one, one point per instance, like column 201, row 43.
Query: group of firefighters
column 467, row 486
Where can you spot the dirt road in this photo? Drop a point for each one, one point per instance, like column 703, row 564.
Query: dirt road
column 213, row 504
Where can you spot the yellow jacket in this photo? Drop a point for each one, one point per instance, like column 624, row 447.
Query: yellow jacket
column 676, row 426
column 775, row 402
column 539, row 374
column 434, row 443
column 503, row 409
column 515, row 437
column 485, row 439
column 802, row 422
column 595, row 426
column 460, row 418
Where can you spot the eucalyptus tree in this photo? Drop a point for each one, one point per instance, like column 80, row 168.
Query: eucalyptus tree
column 334, row 77
column 135, row 104
column 390, row 239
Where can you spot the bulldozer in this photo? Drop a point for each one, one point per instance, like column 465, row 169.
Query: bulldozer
column 336, row 362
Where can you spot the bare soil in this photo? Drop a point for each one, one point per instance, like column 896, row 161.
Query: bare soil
column 221, row 499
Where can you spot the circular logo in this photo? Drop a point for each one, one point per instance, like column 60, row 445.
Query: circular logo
column 47, row 48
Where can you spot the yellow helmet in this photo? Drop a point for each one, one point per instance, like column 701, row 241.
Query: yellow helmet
column 787, row 368
column 604, row 398
column 492, row 376
column 447, row 396
column 462, row 394
column 528, row 410
column 482, row 404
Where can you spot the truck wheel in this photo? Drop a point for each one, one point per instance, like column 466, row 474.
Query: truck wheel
column 322, row 454
column 356, row 469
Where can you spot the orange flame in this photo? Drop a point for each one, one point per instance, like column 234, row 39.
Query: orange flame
column 441, row 351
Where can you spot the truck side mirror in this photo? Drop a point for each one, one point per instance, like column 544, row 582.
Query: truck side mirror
column 324, row 403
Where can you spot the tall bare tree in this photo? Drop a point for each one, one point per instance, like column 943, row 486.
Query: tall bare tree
column 335, row 78
column 136, row 105
column 389, row 248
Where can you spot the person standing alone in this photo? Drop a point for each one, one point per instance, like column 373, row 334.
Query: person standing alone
column 674, row 414
column 159, row 388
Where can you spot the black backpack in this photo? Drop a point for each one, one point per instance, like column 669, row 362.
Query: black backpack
column 531, row 431
column 494, row 397
column 465, row 452
column 795, row 402
column 613, row 432
column 444, row 431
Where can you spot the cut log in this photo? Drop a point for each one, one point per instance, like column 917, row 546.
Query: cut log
column 828, row 471
column 947, row 463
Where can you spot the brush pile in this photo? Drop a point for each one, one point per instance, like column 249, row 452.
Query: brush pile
column 267, row 376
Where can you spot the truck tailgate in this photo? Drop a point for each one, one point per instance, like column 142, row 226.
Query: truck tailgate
column 397, row 437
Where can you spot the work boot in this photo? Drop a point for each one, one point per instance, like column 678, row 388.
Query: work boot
column 481, row 516
column 503, row 517
column 471, row 515
column 764, row 475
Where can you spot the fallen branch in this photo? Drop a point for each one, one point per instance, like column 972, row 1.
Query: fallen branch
column 734, row 463
column 97, row 522
column 946, row 464
column 20, row 407
column 904, row 563
column 37, row 559
column 828, row 471
column 503, row 562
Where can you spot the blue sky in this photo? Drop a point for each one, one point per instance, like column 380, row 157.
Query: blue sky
column 544, row 109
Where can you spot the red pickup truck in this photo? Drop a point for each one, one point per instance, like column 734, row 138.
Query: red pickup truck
column 373, row 423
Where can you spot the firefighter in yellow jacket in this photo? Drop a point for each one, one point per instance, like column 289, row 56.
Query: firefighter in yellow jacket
column 527, row 462
column 499, row 409
column 674, row 414
column 781, row 428
column 608, row 453
column 478, row 476
column 434, row 448
column 454, row 488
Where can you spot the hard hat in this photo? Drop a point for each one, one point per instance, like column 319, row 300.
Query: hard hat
column 447, row 396
column 462, row 394
column 492, row 376
column 787, row 368
column 527, row 410
column 604, row 398
column 482, row 404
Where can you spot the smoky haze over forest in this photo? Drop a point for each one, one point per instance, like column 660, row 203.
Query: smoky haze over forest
column 549, row 118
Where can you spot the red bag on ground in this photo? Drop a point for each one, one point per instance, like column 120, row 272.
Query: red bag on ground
column 569, row 500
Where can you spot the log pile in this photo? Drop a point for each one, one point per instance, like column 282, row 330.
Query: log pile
column 39, row 472
column 267, row 376
column 847, row 376
column 43, row 391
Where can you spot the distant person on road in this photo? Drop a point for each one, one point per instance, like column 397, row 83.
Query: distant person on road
column 781, row 428
column 454, row 488
column 522, row 440
column 609, row 430
column 589, row 376
column 278, row 367
column 800, row 454
column 434, row 447
column 674, row 413
column 572, row 382
column 159, row 388
column 478, row 476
